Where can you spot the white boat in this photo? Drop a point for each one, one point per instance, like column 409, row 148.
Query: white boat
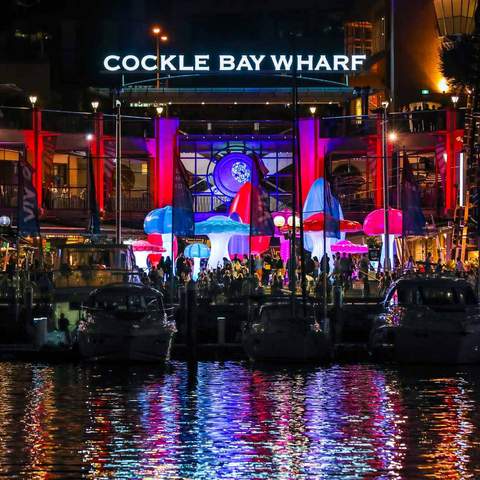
column 126, row 321
column 429, row 320
column 275, row 333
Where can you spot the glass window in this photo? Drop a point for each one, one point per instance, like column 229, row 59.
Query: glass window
column 433, row 296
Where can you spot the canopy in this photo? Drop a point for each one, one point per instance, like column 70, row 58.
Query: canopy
column 197, row 250
column 374, row 222
column 144, row 246
column 345, row 246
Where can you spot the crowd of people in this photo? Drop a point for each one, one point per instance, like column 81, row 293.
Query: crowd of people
column 269, row 274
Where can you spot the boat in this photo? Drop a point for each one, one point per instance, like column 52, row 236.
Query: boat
column 428, row 320
column 81, row 268
column 274, row 332
column 126, row 321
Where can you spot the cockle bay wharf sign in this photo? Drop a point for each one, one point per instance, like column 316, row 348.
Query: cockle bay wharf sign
column 233, row 63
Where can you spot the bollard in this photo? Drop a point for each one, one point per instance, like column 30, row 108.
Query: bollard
column 221, row 327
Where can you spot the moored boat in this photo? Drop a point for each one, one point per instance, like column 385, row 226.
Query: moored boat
column 275, row 332
column 428, row 320
column 126, row 321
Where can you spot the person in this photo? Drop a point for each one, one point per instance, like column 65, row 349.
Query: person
column 428, row 264
column 168, row 267
column 459, row 268
column 63, row 326
column 410, row 267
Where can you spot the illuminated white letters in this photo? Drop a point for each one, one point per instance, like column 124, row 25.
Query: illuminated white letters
column 152, row 66
column 107, row 63
column 226, row 62
column 357, row 61
column 201, row 63
column 282, row 62
column 130, row 63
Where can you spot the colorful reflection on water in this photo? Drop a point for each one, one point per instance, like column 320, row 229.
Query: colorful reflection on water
column 231, row 420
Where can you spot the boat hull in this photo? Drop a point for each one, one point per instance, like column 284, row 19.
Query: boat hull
column 143, row 347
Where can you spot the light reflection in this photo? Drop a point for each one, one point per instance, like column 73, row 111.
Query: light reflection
column 229, row 420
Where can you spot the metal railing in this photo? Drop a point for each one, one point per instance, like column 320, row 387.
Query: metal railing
column 8, row 196
column 66, row 198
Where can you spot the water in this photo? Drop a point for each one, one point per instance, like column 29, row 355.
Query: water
column 230, row 420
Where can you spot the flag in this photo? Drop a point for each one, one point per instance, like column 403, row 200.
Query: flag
column 331, row 213
column 413, row 218
column 94, row 219
column 28, row 223
column 183, row 223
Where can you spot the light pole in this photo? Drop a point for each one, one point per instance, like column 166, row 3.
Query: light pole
column 118, row 172
column 157, row 32
column 386, row 260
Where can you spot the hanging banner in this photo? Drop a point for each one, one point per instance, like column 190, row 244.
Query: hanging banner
column 28, row 223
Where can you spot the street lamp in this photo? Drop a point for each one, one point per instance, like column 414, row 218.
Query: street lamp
column 313, row 110
column 386, row 265
column 455, row 99
column 33, row 100
column 393, row 136
column 159, row 110
column 455, row 17
column 156, row 30
column 95, row 104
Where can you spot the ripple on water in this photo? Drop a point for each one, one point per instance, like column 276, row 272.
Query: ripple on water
column 230, row 420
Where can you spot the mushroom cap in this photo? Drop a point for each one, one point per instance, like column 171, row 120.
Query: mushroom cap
column 316, row 223
column 158, row 221
column 373, row 223
column 197, row 250
column 144, row 246
column 221, row 224
column 345, row 246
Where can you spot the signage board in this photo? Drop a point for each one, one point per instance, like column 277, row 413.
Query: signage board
column 233, row 63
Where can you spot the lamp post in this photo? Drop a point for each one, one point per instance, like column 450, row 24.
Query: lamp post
column 157, row 32
column 118, row 172
column 386, row 260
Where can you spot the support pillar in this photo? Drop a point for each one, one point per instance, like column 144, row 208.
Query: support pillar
column 163, row 157
column 37, row 148
column 451, row 191
column 378, row 178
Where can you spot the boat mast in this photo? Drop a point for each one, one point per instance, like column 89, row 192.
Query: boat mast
column 118, row 172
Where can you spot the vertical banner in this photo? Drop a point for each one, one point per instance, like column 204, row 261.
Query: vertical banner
column 28, row 223
column 413, row 217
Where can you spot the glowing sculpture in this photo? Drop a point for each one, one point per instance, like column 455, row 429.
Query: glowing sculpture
column 219, row 229
column 142, row 249
column 374, row 225
column 196, row 251
column 159, row 221
column 247, row 200
column 345, row 246
column 315, row 226
column 314, row 203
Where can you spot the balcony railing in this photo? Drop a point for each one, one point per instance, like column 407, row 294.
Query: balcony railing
column 132, row 201
column 8, row 196
column 66, row 198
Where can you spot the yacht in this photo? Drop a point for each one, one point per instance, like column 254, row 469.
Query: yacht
column 126, row 321
column 274, row 332
column 80, row 268
column 428, row 320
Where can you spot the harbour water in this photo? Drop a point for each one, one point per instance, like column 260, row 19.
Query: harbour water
column 232, row 420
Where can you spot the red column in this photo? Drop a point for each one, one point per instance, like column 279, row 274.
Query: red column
column 164, row 151
column 37, row 147
column 308, row 129
column 98, row 154
column 451, row 149
column 378, row 177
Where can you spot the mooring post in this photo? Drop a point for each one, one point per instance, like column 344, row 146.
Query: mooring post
column 191, row 319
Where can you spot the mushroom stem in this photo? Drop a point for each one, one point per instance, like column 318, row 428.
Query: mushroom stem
column 218, row 248
column 391, row 240
column 196, row 267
